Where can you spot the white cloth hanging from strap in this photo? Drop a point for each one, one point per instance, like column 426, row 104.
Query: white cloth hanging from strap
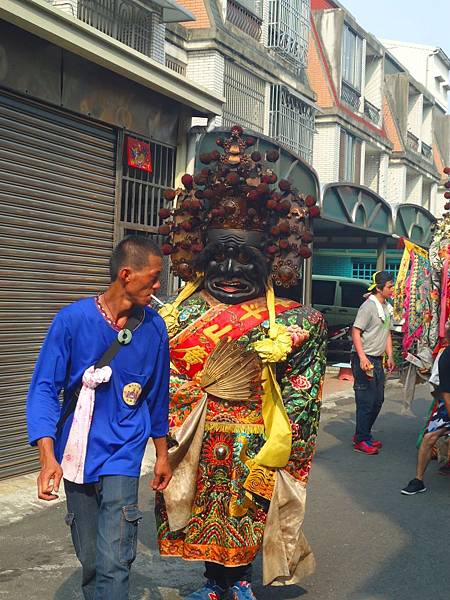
column 380, row 308
column 75, row 451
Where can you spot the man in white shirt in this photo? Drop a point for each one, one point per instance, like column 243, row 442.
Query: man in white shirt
column 372, row 339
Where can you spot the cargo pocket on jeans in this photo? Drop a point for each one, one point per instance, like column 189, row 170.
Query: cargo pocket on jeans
column 71, row 522
column 131, row 515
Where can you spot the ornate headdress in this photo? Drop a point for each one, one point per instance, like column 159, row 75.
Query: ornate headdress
column 236, row 191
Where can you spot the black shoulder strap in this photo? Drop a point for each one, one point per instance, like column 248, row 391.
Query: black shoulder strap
column 120, row 340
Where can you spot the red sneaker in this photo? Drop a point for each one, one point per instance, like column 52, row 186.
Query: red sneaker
column 365, row 448
column 375, row 443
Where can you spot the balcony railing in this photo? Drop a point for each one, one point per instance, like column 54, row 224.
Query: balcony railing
column 412, row 141
column 427, row 151
column 350, row 96
column 246, row 20
column 372, row 112
column 124, row 20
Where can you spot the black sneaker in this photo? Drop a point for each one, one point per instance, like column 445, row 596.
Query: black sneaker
column 415, row 486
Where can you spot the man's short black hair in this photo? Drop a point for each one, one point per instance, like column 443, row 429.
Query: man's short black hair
column 133, row 251
column 381, row 279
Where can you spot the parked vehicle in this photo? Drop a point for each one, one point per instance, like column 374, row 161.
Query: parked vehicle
column 338, row 298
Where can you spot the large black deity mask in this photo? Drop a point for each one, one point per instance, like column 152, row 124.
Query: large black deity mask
column 234, row 267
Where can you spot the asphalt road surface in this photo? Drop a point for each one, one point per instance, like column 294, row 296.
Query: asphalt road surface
column 370, row 542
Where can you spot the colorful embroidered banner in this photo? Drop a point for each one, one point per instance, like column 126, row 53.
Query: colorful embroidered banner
column 139, row 155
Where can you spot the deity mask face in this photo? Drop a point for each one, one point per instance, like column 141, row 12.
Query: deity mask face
column 235, row 270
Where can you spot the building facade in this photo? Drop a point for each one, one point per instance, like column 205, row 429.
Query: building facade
column 80, row 83
column 254, row 52
column 376, row 128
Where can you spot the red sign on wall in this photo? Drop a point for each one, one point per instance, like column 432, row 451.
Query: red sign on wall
column 138, row 154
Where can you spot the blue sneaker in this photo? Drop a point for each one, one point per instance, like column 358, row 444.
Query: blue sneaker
column 242, row 590
column 210, row 591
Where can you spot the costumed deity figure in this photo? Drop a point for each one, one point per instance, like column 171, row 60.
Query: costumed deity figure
column 247, row 373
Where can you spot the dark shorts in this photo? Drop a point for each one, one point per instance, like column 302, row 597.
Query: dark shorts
column 439, row 418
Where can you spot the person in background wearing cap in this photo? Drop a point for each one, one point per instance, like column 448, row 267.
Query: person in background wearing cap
column 248, row 374
column 439, row 421
column 371, row 341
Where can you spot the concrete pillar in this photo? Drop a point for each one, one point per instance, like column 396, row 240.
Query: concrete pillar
column 381, row 254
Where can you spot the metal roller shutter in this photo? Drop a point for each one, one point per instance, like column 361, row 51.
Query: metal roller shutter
column 57, row 193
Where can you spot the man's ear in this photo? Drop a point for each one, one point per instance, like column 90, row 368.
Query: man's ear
column 124, row 275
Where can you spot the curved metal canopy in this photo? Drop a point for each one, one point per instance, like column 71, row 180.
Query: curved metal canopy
column 359, row 207
column 414, row 222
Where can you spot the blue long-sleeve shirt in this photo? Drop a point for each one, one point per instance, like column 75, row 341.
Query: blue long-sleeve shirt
column 77, row 338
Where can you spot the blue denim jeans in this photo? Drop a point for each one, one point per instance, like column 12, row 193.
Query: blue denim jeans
column 104, row 518
column 369, row 396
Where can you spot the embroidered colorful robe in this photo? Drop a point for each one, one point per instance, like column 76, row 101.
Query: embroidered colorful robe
column 227, row 516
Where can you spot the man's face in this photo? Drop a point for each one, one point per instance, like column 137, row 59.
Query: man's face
column 140, row 284
column 235, row 272
column 388, row 290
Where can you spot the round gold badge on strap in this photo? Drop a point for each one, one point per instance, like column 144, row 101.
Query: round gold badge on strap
column 124, row 337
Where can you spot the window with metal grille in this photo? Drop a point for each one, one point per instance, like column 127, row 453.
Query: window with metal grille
column 141, row 199
column 288, row 30
column 291, row 121
column 365, row 269
column 244, row 93
column 129, row 22
column 142, row 191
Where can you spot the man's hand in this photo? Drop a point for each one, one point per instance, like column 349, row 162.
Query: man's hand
column 390, row 364
column 51, row 473
column 365, row 364
column 163, row 474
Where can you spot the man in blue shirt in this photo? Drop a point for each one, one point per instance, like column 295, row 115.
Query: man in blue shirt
column 128, row 407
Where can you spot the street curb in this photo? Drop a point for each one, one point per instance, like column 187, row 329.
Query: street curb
column 18, row 495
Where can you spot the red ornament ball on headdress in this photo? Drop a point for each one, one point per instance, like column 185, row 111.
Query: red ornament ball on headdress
column 307, row 237
column 272, row 155
column 166, row 249
column 271, row 204
column 164, row 213
column 284, row 227
column 284, row 185
column 232, row 178
column 310, row 200
column 447, row 170
column 187, row 180
column 284, row 244
column 314, row 212
column 164, row 229
column 255, row 156
column 250, row 141
column 305, row 252
column 215, row 155
column 447, row 195
column 169, row 194
column 186, row 225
